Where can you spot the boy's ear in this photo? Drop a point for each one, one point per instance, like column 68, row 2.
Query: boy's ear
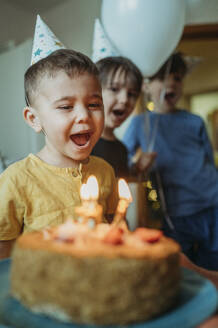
column 31, row 119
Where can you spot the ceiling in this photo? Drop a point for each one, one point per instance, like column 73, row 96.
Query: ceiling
column 16, row 16
column 199, row 38
column 34, row 6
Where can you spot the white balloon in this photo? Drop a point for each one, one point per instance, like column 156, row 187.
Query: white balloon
column 146, row 31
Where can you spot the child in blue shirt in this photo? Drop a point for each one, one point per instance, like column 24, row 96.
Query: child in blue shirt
column 185, row 164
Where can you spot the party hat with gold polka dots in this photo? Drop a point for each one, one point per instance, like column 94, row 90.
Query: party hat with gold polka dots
column 45, row 42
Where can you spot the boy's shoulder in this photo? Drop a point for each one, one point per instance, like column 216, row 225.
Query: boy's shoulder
column 189, row 115
column 140, row 117
column 18, row 169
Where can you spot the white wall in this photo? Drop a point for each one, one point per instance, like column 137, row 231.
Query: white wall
column 16, row 24
column 73, row 24
column 203, row 105
column 16, row 138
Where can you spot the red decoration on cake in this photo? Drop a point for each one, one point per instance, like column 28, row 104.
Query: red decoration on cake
column 114, row 236
column 148, row 235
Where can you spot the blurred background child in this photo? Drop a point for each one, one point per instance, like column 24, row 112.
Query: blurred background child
column 121, row 83
column 185, row 164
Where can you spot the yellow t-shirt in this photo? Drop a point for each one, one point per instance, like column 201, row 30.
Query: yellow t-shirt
column 34, row 194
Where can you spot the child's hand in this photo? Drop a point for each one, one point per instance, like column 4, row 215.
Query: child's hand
column 145, row 161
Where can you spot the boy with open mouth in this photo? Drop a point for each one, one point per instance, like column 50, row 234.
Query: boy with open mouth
column 64, row 101
column 121, row 83
column 184, row 163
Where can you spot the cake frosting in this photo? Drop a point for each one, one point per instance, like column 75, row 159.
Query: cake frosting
column 101, row 274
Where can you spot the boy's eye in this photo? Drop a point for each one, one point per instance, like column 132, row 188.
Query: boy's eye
column 114, row 89
column 178, row 78
column 94, row 106
column 66, row 107
column 133, row 94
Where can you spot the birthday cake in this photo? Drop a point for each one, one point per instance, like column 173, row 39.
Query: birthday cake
column 96, row 275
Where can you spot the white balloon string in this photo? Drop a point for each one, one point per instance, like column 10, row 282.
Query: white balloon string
column 147, row 126
column 150, row 145
column 43, row 131
column 151, row 136
column 163, row 92
column 163, row 201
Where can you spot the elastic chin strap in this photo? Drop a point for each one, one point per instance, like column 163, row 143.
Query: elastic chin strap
column 80, row 168
column 27, row 101
column 43, row 131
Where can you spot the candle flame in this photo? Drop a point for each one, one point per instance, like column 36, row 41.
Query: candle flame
column 92, row 185
column 124, row 191
column 90, row 190
column 84, row 192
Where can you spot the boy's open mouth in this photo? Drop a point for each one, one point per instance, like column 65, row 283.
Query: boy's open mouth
column 119, row 112
column 170, row 96
column 81, row 139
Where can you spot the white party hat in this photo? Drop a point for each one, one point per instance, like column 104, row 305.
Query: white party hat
column 45, row 42
column 192, row 62
column 102, row 47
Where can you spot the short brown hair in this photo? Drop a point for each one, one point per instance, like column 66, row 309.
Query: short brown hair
column 176, row 65
column 108, row 66
column 69, row 61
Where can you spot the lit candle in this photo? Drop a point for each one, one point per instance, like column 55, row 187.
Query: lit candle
column 90, row 209
column 125, row 199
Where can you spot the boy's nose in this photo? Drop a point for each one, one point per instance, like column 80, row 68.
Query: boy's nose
column 82, row 114
column 123, row 96
column 172, row 80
